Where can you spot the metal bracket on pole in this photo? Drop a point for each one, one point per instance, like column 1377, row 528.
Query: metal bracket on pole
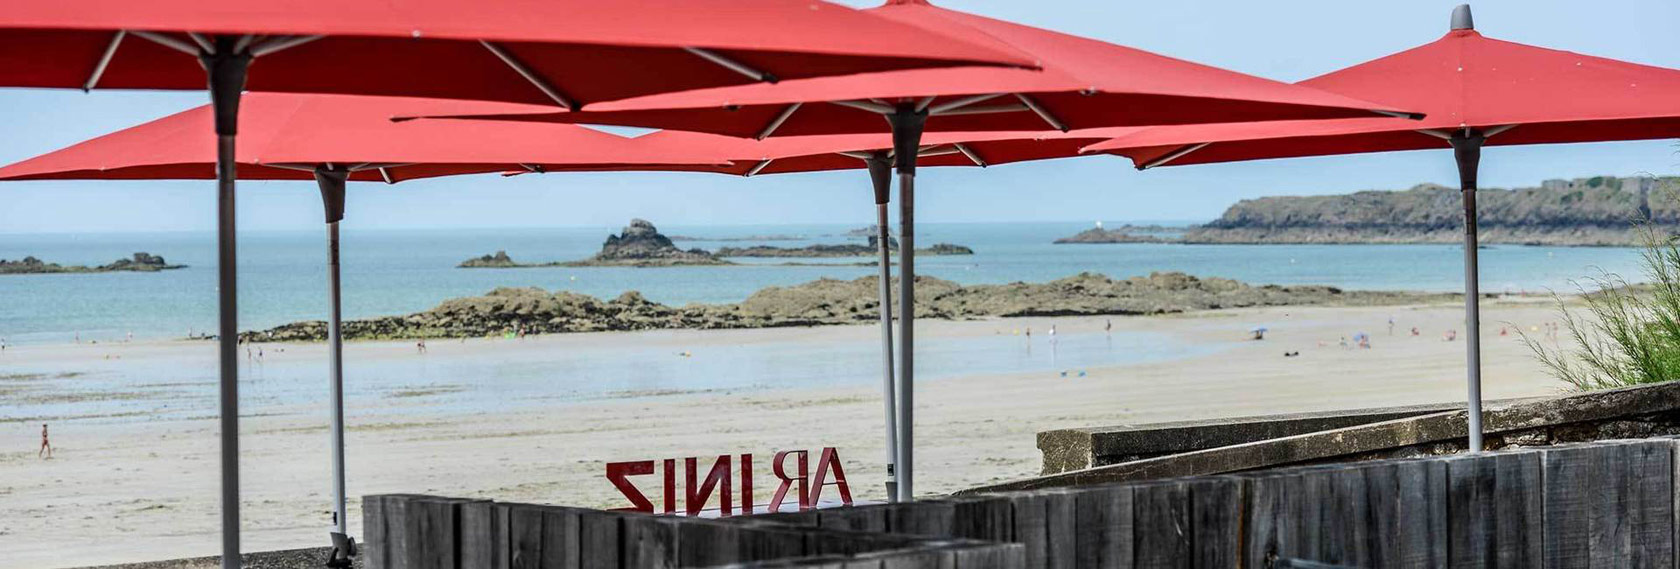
column 1467, row 150
column 331, row 181
column 907, row 125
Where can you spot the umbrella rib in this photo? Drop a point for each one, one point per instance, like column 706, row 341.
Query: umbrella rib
column 759, row 167
column 986, row 109
column 1176, row 154
column 855, row 154
column 288, row 166
column 1042, row 112
column 777, row 122
column 168, row 42
column 938, row 152
column 104, row 60
column 385, row 174
column 969, row 152
column 204, row 45
column 949, row 106
column 533, row 168
column 1489, row 132
column 733, row 65
column 283, row 42
column 529, row 75
column 865, row 106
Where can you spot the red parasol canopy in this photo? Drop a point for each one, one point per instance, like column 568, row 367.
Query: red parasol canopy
column 548, row 52
column 1519, row 94
column 790, row 154
column 285, row 136
column 1477, row 91
column 1084, row 83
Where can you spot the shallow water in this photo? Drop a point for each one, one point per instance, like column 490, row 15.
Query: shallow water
column 283, row 278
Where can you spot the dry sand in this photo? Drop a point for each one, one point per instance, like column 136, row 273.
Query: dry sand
column 140, row 490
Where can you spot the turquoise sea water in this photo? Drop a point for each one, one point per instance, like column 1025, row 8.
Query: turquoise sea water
column 283, row 275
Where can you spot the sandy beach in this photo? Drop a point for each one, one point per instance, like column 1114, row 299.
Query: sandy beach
column 134, row 476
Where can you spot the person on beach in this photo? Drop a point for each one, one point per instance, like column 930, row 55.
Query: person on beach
column 420, row 346
column 1108, row 326
column 1391, row 324
column 46, row 447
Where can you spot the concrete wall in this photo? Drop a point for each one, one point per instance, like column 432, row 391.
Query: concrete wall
column 1617, row 413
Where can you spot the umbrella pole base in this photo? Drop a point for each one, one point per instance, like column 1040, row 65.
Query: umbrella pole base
column 343, row 551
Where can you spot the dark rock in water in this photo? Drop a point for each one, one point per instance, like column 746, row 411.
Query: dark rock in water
column 500, row 260
column 831, row 301
column 641, row 245
column 1100, row 235
column 139, row 262
column 840, row 250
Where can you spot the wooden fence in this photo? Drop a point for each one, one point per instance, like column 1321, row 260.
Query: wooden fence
column 1606, row 504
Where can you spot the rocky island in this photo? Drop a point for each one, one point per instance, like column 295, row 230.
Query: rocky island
column 839, row 250
column 638, row 245
column 139, row 263
column 832, row 301
column 1122, row 235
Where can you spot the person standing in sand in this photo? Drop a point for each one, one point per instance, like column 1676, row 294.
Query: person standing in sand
column 420, row 346
column 46, row 447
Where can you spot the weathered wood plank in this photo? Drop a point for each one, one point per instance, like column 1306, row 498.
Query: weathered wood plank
column 1651, row 464
column 1061, row 529
column 986, row 518
column 1266, row 526
column 760, row 542
column 1030, row 527
column 704, row 543
column 1519, row 491
column 1470, row 517
column 1569, row 474
column 402, row 531
column 560, row 539
column 599, row 539
column 1382, row 499
column 372, row 547
column 523, row 527
column 1216, row 509
column 481, row 535
column 1161, row 524
column 931, row 518
column 437, row 532
column 1610, row 541
column 1103, row 527
column 997, row 556
column 860, row 518
column 649, row 541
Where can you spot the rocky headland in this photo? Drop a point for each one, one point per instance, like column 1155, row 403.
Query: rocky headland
column 1597, row 211
column 830, row 302
column 139, row 263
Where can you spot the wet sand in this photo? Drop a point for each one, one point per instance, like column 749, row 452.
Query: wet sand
column 127, row 487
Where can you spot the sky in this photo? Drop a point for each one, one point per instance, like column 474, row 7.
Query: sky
column 1288, row 40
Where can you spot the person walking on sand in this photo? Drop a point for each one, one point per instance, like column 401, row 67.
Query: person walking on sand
column 1108, row 326
column 420, row 346
column 46, row 447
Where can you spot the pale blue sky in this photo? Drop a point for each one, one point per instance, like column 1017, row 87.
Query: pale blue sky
column 1285, row 40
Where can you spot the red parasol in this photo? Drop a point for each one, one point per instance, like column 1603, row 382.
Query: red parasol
column 554, row 52
column 1478, row 91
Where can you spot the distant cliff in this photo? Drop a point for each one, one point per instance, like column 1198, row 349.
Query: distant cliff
column 1598, row 211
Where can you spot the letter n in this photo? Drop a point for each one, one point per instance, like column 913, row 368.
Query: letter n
column 698, row 495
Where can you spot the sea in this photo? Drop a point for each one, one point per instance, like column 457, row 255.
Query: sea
column 282, row 275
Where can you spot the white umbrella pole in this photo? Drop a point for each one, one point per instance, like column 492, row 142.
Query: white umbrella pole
column 907, row 123
column 331, row 182
column 226, row 69
column 880, row 174
column 1467, row 150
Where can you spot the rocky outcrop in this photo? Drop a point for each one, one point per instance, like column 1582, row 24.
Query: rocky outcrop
column 1100, row 235
column 139, row 262
column 832, row 301
column 1601, row 210
column 641, row 245
column 841, row 250
column 500, row 260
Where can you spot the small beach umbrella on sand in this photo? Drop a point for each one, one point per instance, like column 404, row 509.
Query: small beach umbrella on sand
column 1084, row 84
column 779, row 155
column 334, row 139
column 1477, row 92
column 568, row 53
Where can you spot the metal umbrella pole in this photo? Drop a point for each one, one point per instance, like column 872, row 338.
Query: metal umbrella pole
column 331, row 181
column 880, row 173
column 225, row 61
column 1467, row 150
column 907, row 121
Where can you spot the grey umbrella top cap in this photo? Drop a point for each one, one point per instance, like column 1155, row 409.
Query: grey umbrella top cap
column 1461, row 19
